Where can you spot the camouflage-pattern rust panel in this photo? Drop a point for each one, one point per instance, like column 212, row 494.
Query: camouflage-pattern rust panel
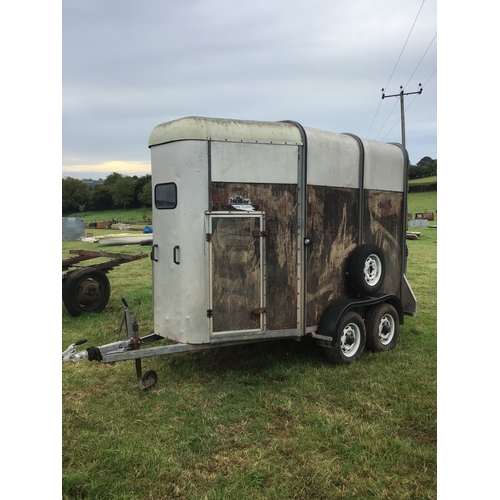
column 236, row 274
column 382, row 226
column 332, row 226
column 279, row 202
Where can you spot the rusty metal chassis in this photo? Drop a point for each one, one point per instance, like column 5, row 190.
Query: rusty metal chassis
column 84, row 255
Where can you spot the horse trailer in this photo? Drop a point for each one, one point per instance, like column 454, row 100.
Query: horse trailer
column 272, row 230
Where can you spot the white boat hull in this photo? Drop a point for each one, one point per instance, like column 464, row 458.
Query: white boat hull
column 124, row 239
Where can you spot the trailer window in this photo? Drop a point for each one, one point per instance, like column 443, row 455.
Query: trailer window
column 166, row 196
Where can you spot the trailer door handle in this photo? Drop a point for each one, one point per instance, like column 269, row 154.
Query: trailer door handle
column 176, row 257
column 152, row 254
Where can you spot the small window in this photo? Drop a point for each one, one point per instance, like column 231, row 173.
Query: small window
column 165, row 196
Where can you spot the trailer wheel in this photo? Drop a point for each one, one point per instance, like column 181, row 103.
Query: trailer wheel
column 382, row 327
column 148, row 380
column 348, row 340
column 86, row 290
column 366, row 269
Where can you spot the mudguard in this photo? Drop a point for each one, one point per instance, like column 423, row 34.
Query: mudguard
column 332, row 314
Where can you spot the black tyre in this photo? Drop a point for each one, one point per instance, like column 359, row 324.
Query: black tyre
column 366, row 269
column 348, row 340
column 86, row 290
column 382, row 327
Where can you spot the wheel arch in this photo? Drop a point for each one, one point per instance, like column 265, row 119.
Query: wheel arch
column 396, row 303
column 336, row 309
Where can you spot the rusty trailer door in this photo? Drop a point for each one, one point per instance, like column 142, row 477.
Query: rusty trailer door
column 237, row 302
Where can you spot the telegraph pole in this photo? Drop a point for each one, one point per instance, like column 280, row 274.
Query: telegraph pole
column 402, row 99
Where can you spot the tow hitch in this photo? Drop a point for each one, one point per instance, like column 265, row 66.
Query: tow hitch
column 132, row 343
column 129, row 348
column 70, row 353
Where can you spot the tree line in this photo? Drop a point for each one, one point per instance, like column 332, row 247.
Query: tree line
column 117, row 191
column 426, row 167
column 121, row 191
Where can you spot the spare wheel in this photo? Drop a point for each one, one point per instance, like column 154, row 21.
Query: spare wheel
column 366, row 268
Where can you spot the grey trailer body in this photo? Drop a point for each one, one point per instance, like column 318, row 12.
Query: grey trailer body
column 269, row 230
column 262, row 220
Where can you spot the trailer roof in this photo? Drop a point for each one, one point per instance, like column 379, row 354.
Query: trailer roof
column 221, row 129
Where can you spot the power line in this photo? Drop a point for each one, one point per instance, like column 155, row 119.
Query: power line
column 404, row 46
column 409, row 79
column 421, row 59
column 395, row 66
column 386, row 120
column 373, row 121
column 390, row 113
column 407, row 108
column 427, row 81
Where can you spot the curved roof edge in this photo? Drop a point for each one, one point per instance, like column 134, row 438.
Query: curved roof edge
column 221, row 129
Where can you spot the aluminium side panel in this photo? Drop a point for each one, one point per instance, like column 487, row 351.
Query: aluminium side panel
column 339, row 219
column 332, row 159
column 384, row 218
column 246, row 162
column 384, row 167
column 333, row 176
column 180, row 269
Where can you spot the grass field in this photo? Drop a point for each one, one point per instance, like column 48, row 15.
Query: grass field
column 262, row 421
column 432, row 178
column 423, row 202
column 130, row 215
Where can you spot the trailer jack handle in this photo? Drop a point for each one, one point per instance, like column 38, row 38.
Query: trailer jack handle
column 149, row 378
column 133, row 342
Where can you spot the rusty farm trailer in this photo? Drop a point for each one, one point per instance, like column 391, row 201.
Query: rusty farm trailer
column 86, row 289
column 272, row 230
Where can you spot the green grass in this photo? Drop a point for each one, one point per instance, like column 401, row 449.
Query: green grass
column 130, row 215
column 423, row 202
column 262, row 421
column 432, row 178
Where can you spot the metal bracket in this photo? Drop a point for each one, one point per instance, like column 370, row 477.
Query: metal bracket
column 259, row 310
column 259, row 234
column 315, row 335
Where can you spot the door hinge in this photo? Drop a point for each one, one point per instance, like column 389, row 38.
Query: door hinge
column 209, row 237
column 210, row 313
column 259, row 310
column 259, row 234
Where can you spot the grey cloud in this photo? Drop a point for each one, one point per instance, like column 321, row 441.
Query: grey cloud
column 129, row 65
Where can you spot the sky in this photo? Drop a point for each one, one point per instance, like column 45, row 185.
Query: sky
column 129, row 65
